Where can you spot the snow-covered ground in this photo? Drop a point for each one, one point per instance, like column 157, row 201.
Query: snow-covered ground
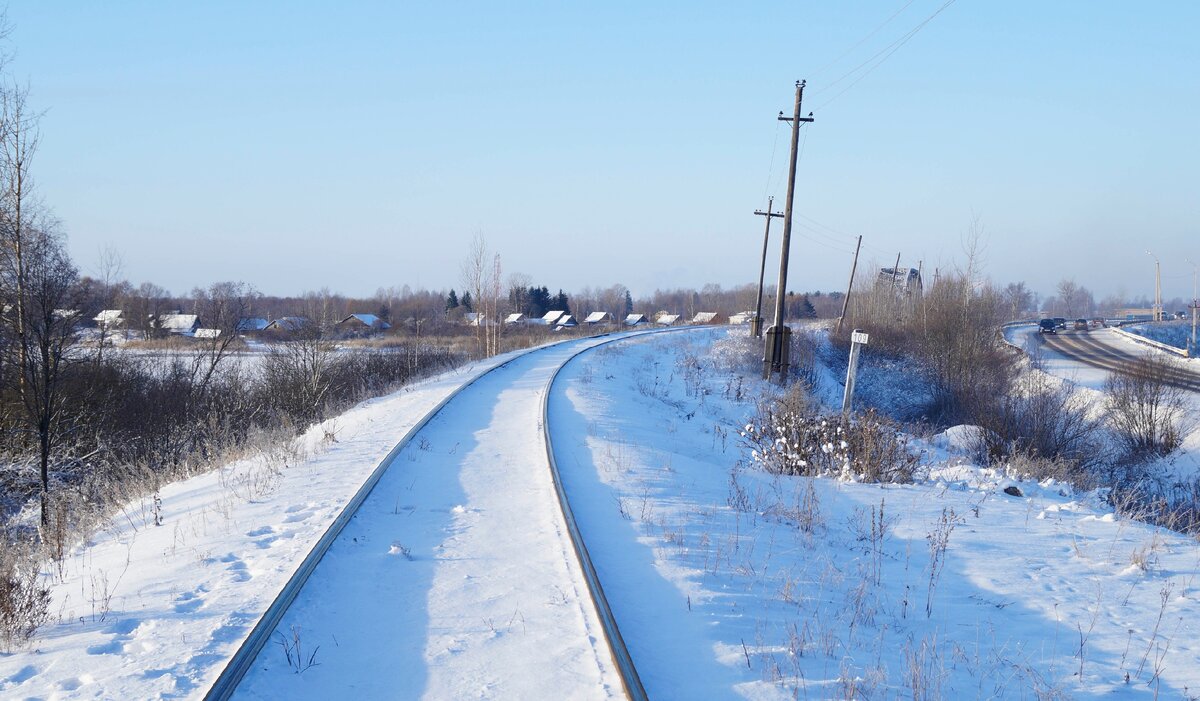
column 1174, row 333
column 727, row 582
column 456, row 578
column 145, row 611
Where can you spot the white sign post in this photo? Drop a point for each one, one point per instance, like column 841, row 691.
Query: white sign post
column 858, row 339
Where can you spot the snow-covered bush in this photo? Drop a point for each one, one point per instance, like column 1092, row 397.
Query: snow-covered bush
column 24, row 602
column 790, row 438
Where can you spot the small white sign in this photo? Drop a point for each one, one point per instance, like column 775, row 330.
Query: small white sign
column 858, row 337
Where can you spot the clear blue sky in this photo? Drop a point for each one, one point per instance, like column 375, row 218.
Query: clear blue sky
column 302, row 145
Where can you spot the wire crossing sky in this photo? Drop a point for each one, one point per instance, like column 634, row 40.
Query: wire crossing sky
column 297, row 146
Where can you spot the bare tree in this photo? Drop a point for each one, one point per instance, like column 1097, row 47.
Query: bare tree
column 108, row 283
column 1019, row 298
column 18, row 142
column 1069, row 294
column 49, row 320
column 221, row 308
column 481, row 278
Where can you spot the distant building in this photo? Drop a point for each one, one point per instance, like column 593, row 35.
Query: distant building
column 179, row 324
column 667, row 319
column 566, row 321
column 552, row 317
column 287, row 324
column 207, row 333
column 635, row 319
column 706, row 318
column 741, row 318
column 477, row 319
column 599, row 318
column 905, row 280
column 362, row 324
column 250, row 324
column 110, row 319
column 515, row 318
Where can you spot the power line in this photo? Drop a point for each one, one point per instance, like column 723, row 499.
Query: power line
column 862, row 41
column 771, row 168
column 886, row 53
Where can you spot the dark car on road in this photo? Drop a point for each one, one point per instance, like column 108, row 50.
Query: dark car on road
column 1081, row 325
column 1060, row 322
column 1047, row 326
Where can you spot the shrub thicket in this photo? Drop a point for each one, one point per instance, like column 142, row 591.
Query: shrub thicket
column 792, row 437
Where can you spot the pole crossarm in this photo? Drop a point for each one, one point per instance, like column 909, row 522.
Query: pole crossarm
column 756, row 322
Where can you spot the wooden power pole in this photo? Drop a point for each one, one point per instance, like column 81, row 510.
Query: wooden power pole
column 849, row 285
column 756, row 323
column 775, row 356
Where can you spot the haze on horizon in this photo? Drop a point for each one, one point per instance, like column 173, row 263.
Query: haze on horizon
column 296, row 147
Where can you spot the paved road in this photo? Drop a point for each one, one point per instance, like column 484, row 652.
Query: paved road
column 1100, row 349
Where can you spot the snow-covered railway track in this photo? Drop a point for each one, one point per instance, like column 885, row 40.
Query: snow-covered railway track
column 1090, row 350
column 475, row 596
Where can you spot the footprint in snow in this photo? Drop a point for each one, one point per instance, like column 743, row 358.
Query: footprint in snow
column 189, row 601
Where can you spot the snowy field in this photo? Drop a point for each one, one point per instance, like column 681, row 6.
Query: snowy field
column 1175, row 333
column 730, row 583
column 727, row 582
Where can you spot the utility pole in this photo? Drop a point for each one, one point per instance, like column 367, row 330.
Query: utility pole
column 895, row 271
column 1157, row 311
column 779, row 336
column 1195, row 302
column 849, row 285
column 756, row 323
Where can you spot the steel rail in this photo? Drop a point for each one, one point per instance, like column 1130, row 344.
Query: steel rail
column 227, row 682
column 237, row 667
column 626, row 668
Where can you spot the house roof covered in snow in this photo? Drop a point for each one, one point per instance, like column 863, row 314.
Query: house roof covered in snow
column 178, row 323
column 552, row 316
column 598, row 318
column 109, row 317
column 635, row 319
column 704, row 318
column 667, row 319
column 514, row 318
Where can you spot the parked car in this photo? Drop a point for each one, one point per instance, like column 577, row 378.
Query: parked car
column 1047, row 326
column 1081, row 325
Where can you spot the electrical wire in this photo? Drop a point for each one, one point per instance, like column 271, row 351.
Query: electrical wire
column 862, row 41
column 886, row 53
column 771, row 168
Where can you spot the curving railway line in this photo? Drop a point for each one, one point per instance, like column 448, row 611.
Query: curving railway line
column 456, row 453
column 1091, row 348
